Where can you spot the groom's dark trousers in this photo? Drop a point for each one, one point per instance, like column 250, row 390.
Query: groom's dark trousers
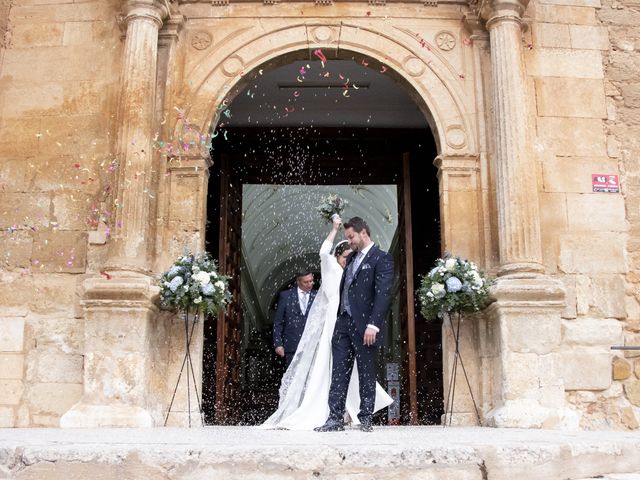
column 347, row 346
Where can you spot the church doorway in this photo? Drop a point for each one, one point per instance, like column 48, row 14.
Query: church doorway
column 280, row 145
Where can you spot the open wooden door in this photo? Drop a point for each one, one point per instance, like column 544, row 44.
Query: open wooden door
column 409, row 398
column 229, row 322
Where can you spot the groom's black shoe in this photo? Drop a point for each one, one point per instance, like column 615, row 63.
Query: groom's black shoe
column 366, row 425
column 331, row 426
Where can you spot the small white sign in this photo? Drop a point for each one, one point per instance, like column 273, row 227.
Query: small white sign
column 393, row 412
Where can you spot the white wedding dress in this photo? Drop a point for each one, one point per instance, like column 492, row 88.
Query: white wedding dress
column 304, row 391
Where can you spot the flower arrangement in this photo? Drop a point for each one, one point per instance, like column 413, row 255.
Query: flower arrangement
column 453, row 285
column 193, row 282
column 331, row 205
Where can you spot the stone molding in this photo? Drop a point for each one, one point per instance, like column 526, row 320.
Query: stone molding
column 153, row 10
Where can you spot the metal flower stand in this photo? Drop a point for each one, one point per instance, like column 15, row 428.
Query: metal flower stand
column 457, row 359
column 190, row 375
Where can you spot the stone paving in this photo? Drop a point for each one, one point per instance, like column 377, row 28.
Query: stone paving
column 459, row 453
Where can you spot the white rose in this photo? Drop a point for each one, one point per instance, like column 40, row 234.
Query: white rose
column 202, row 278
column 450, row 264
column 437, row 288
column 219, row 284
column 477, row 280
column 197, row 300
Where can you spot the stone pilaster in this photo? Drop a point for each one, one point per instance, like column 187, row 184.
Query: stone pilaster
column 517, row 190
column 123, row 335
column 522, row 333
column 129, row 246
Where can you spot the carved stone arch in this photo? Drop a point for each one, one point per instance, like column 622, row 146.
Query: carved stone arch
column 429, row 79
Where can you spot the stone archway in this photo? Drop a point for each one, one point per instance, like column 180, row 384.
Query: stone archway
column 434, row 83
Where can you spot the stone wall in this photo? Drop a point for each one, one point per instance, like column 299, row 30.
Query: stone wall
column 57, row 95
column 581, row 63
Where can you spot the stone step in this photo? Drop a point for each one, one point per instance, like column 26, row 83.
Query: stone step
column 230, row 453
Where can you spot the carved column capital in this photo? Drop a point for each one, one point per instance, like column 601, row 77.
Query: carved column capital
column 498, row 11
column 153, row 10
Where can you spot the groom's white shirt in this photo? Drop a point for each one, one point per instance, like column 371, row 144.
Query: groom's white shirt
column 359, row 257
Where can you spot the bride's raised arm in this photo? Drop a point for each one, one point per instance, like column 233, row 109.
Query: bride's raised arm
column 328, row 242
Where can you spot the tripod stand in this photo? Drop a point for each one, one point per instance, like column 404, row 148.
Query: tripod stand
column 186, row 362
column 457, row 359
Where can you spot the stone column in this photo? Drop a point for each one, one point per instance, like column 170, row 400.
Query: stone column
column 522, row 333
column 517, row 189
column 123, row 335
column 129, row 246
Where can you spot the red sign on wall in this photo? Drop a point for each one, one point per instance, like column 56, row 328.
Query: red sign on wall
column 602, row 182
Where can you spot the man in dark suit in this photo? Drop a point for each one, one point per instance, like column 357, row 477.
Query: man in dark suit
column 291, row 316
column 365, row 293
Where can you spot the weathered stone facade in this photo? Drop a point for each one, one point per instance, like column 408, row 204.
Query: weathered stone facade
column 89, row 211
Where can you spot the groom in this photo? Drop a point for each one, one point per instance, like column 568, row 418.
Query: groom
column 364, row 302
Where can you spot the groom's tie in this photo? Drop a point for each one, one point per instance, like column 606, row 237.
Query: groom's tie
column 304, row 301
column 351, row 271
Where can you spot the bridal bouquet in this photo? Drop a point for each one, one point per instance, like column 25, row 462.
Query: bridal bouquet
column 330, row 206
column 453, row 285
column 193, row 282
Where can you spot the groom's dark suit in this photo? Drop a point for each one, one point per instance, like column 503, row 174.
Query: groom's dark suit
column 368, row 291
column 289, row 322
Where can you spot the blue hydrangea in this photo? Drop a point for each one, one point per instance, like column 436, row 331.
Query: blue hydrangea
column 175, row 283
column 207, row 289
column 453, row 284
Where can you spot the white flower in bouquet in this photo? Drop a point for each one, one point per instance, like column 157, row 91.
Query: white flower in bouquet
column 450, row 264
column 453, row 284
column 220, row 284
column 202, row 277
column 438, row 290
column 197, row 300
column 476, row 279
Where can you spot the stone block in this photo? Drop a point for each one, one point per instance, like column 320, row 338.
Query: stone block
column 55, row 334
column 50, row 421
column 573, row 174
column 636, row 367
column 28, row 210
column 596, row 212
column 581, row 137
column 589, row 37
column 551, row 35
column 65, row 173
column 606, row 253
column 77, row 134
column 601, row 296
column 33, row 100
column 592, row 332
column 71, row 211
column 59, row 251
column 59, row 368
column 533, row 332
column 570, row 97
column 11, row 391
column 17, row 247
column 7, row 417
column 586, row 370
column 18, row 136
column 13, row 172
column 63, row 12
column 29, row 35
column 11, row 334
column 568, row 14
column 631, row 340
column 629, row 418
column 88, row 97
column 53, row 293
column 556, row 62
column 79, row 33
column 570, row 310
column 53, row 398
column 11, row 366
column 632, row 391
column 621, row 369
column 631, row 95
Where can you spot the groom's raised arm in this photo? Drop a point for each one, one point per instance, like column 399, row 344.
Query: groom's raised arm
column 382, row 287
column 278, row 321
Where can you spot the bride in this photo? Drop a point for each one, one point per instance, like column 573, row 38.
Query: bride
column 304, row 391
